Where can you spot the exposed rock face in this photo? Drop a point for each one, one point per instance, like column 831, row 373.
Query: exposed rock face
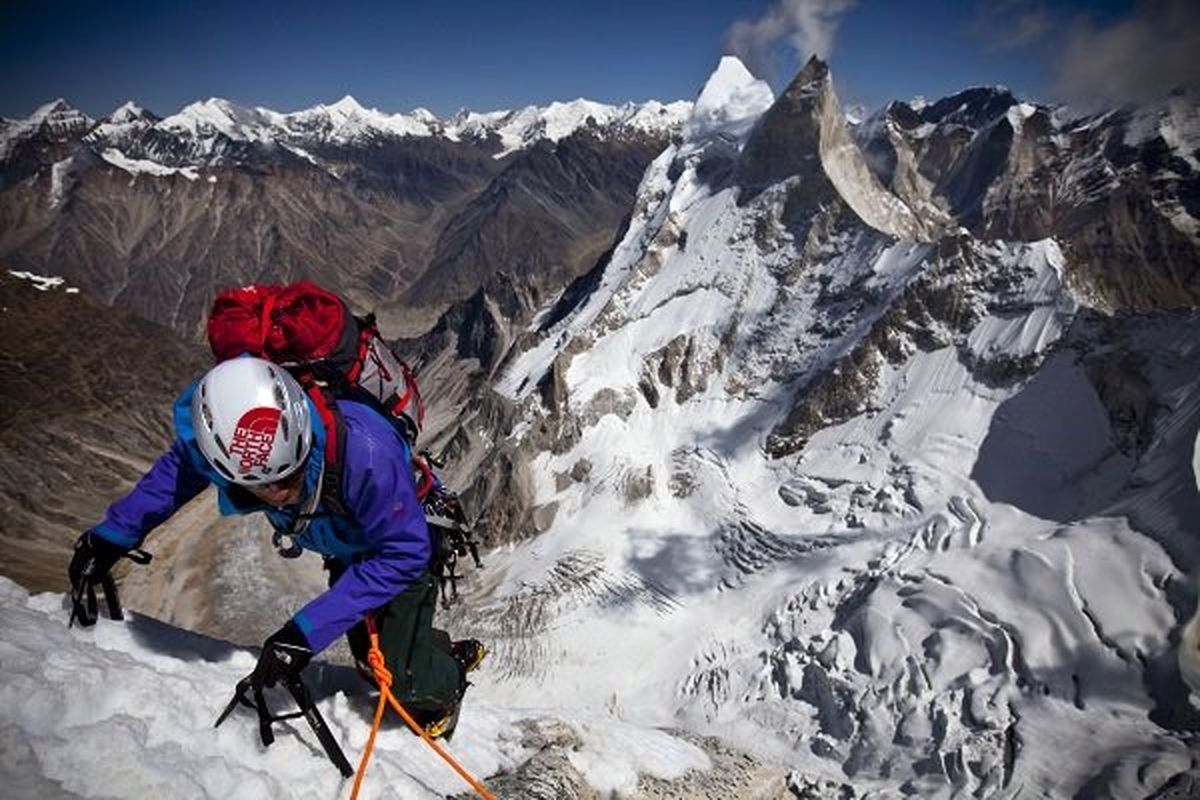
column 44, row 138
column 549, row 774
column 87, row 394
column 162, row 246
column 1118, row 189
column 804, row 136
column 965, row 283
column 545, row 220
column 917, row 151
column 1144, row 369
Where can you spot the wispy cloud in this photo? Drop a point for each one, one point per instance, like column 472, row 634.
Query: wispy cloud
column 1140, row 57
column 807, row 27
column 1010, row 24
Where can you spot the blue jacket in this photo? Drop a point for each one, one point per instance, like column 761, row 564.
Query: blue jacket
column 384, row 542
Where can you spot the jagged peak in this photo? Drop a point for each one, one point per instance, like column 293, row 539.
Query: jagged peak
column 816, row 69
column 56, row 118
column 811, row 91
column 557, row 120
column 129, row 111
column 730, row 68
column 347, row 105
column 57, row 105
column 805, row 135
column 223, row 116
column 730, row 74
column 60, row 111
column 813, row 78
column 728, row 105
column 975, row 104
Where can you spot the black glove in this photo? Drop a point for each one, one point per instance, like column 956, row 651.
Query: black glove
column 285, row 653
column 94, row 558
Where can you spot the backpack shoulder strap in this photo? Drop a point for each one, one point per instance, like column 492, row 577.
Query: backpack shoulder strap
column 335, row 447
column 333, row 478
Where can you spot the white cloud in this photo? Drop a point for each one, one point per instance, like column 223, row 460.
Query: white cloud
column 1138, row 58
column 808, row 27
column 1010, row 24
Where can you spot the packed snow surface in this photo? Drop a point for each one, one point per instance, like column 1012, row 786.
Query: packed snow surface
column 126, row 709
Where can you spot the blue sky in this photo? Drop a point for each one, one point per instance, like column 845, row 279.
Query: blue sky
column 486, row 55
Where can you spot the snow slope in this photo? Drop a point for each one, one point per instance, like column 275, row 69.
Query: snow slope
column 127, row 710
column 932, row 589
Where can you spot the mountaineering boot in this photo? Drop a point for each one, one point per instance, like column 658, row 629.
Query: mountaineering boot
column 443, row 727
column 468, row 653
column 437, row 723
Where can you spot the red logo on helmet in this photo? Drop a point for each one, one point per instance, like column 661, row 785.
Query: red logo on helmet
column 254, row 438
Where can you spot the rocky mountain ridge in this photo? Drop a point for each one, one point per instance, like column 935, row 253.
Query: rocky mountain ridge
column 205, row 133
column 908, row 512
column 156, row 214
column 1120, row 189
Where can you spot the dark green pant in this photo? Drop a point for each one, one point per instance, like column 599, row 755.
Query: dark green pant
column 424, row 676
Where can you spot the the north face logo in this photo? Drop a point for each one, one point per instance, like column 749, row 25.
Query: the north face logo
column 254, row 437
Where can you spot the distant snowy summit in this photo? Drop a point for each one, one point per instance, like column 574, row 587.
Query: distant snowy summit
column 348, row 122
column 211, row 126
column 55, row 120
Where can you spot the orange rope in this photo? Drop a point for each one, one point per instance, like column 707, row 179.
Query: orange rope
column 383, row 678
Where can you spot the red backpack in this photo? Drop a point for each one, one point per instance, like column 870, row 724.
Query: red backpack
column 333, row 353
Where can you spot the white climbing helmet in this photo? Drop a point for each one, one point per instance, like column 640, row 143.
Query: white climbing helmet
column 251, row 420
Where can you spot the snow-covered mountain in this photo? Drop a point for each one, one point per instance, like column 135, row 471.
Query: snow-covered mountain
column 207, row 131
column 813, row 468
column 866, row 448
column 134, row 208
column 55, row 121
column 1118, row 188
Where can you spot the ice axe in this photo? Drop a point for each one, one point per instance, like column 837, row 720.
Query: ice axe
column 249, row 693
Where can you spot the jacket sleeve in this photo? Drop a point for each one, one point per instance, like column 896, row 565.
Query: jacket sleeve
column 379, row 492
column 170, row 483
